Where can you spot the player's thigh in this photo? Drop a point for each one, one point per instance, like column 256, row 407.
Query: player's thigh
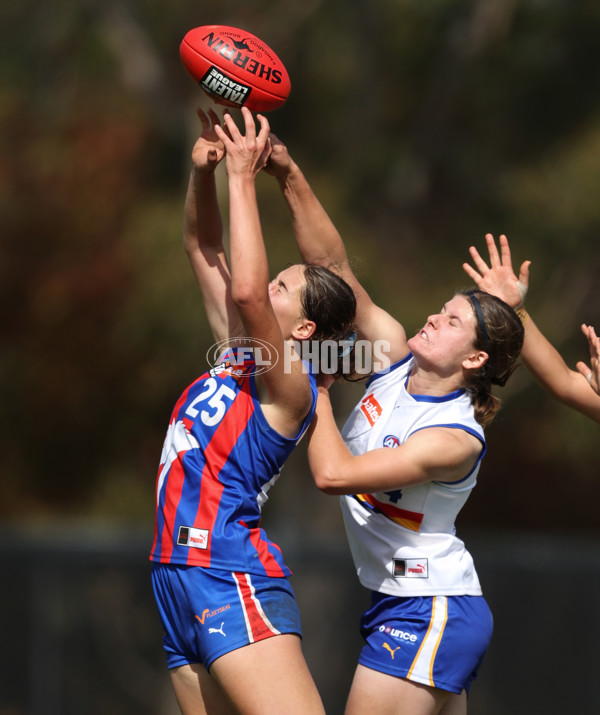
column 455, row 705
column 270, row 677
column 198, row 693
column 375, row 693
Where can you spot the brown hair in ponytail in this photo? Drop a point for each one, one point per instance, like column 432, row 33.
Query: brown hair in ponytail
column 330, row 302
column 500, row 333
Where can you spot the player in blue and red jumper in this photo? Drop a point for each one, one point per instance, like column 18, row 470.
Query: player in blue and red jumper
column 231, row 623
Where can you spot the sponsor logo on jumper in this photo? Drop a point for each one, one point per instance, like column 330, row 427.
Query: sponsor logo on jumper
column 410, row 568
column 391, row 441
column 207, row 613
column 229, row 369
column 417, row 568
column 391, row 650
column 238, row 53
column 218, row 84
column 195, row 538
column 398, row 634
column 218, row 630
column 371, row 409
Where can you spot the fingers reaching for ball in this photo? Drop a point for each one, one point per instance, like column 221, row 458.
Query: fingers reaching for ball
column 208, row 150
column 248, row 152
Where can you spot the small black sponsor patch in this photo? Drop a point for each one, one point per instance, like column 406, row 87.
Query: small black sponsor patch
column 399, row 567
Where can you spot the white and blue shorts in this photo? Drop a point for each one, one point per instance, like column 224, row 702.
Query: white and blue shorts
column 206, row 613
column 438, row 641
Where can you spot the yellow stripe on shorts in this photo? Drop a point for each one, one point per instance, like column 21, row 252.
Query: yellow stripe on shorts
column 422, row 665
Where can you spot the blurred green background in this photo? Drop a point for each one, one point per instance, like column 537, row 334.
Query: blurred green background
column 421, row 126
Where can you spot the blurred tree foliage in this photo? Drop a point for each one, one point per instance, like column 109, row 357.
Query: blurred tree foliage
column 421, row 126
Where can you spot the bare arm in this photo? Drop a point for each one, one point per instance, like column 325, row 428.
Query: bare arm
column 203, row 232
column 289, row 396
column 320, row 243
column 431, row 454
column 549, row 369
column 539, row 355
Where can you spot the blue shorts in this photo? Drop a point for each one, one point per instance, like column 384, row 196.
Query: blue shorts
column 206, row 613
column 438, row 641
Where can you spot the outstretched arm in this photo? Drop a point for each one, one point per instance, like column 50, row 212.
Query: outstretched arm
column 320, row 243
column 289, row 395
column 541, row 358
column 203, row 232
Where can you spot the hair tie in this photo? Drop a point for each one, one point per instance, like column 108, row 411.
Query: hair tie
column 479, row 313
column 347, row 345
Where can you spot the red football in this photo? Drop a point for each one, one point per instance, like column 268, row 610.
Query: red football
column 235, row 68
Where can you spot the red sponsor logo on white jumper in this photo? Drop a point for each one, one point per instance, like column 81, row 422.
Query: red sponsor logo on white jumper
column 371, row 409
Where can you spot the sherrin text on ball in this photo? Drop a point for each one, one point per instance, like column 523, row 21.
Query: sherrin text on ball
column 235, row 68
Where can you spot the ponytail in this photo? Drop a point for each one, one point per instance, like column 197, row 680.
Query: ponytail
column 330, row 302
column 485, row 404
column 500, row 333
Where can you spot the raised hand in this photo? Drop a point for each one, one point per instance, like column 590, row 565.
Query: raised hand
column 591, row 373
column 247, row 153
column 209, row 149
column 280, row 161
column 499, row 278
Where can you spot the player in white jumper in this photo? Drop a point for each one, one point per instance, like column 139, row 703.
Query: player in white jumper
column 406, row 463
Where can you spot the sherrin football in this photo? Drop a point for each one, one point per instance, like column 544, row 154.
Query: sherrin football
column 235, row 68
